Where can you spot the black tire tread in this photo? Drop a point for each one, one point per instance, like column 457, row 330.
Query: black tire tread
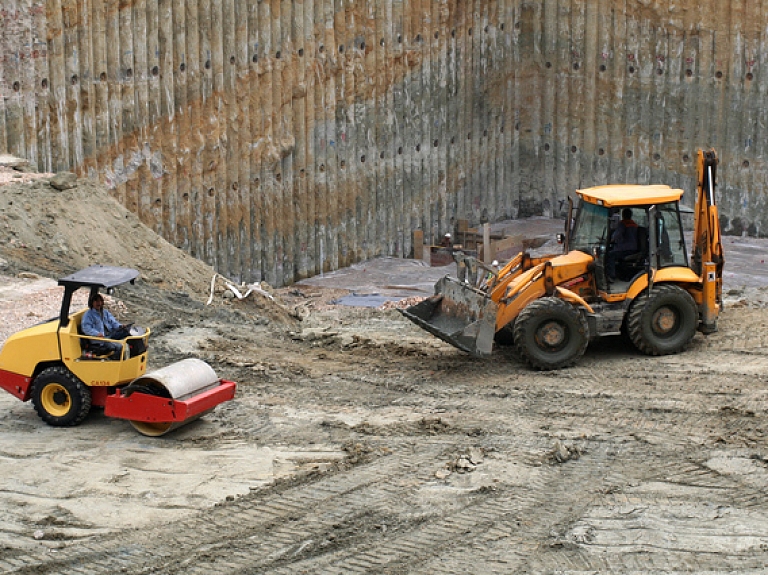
column 644, row 305
column 542, row 308
column 76, row 388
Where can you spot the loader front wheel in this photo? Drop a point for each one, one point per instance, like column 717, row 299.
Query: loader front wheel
column 662, row 321
column 551, row 334
column 60, row 398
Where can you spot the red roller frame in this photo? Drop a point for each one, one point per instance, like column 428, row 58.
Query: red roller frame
column 150, row 408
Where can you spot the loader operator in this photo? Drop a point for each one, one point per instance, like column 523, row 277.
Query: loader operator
column 99, row 322
column 624, row 242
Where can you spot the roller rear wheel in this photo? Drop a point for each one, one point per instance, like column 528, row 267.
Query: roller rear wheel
column 60, row 398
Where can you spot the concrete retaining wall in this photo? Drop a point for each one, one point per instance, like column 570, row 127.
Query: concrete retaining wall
column 276, row 139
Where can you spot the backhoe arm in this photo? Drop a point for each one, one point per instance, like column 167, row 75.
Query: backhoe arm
column 707, row 258
column 707, row 246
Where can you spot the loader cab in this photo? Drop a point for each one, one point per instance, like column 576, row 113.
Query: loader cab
column 598, row 217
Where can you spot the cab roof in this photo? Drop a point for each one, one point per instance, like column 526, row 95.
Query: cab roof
column 629, row 195
column 99, row 276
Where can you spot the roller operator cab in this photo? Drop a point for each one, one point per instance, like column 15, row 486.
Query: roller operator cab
column 624, row 269
column 61, row 371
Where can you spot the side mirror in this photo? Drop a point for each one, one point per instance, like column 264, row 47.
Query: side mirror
column 560, row 238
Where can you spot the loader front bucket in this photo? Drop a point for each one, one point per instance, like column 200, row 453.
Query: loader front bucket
column 458, row 314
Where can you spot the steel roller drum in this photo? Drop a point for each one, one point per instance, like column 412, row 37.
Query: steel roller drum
column 179, row 381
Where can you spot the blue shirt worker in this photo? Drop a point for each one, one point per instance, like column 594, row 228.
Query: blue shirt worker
column 624, row 242
column 99, row 322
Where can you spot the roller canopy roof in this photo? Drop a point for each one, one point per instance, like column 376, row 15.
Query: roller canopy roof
column 629, row 195
column 100, row 276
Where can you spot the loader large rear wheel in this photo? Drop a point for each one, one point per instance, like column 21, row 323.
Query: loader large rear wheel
column 551, row 334
column 663, row 321
column 59, row 398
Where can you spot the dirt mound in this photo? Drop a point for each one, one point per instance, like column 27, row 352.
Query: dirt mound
column 54, row 231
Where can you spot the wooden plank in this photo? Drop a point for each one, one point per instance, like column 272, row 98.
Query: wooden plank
column 101, row 112
column 393, row 58
column 242, row 129
column 15, row 23
column 483, row 115
column 436, row 34
column 262, row 170
column 28, row 86
column 451, row 145
column 664, row 83
column 465, row 136
column 408, row 135
column 429, row 115
column 416, row 150
column 516, row 105
column 88, row 163
column 307, row 82
column 128, row 187
column 589, row 63
column 70, row 30
column 364, row 101
column 495, row 109
column 478, row 170
column 110, row 83
column 647, row 48
column 344, row 85
column 41, row 83
column 193, row 139
column 581, row 106
column 283, row 164
column 154, row 123
column 166, row 74
column 504, row 119
column 556, row 117
column 5, row 65
column 606, row 66
column 287, row 141
column 630, row 112
column 728, row 79
column 333, row 77
column 373, row 167
column 758, row 60
column 215, row 47
column 230, row 150
column 267, row 181
column 255, row 142
column 301, row 200
column 321, row 79
column 207, row 130
column 418, row 244
column 140, row 178
column 624, row 59
column 181, row 202
column 383, row 129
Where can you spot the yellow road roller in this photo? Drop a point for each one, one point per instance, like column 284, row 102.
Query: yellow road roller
column 54, row 365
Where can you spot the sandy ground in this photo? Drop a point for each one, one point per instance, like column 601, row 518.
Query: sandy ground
column 358, row 443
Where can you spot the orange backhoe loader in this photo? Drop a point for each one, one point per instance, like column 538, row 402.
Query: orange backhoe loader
column 549, row 308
